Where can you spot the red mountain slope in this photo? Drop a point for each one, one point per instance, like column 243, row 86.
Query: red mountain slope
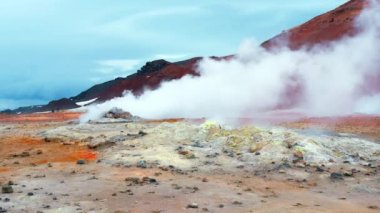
column 330, row 26
column 149, row 76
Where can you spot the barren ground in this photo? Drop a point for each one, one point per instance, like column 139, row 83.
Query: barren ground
column 181, row 166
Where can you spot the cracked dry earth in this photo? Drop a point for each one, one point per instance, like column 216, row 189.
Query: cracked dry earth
column 184, row 166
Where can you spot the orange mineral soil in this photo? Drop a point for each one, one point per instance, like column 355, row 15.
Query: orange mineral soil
column 40, row 117
column 18, row 152
column 362, row 125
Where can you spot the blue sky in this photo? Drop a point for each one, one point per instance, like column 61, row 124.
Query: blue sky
column 57, row 48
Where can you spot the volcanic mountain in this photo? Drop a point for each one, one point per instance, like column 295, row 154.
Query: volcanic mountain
column 319, row 30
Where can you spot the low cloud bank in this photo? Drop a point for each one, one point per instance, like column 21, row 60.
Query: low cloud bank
column 330, row 80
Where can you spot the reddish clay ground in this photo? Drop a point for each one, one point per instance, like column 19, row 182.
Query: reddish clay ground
column 19, row 152
column 367, row 126
column 40, row 117
column 363, row 125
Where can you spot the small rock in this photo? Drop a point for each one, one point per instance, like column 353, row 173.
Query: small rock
column 176, row 186
column 149, row 180
column 24, row 154
column 237, row 202
column 197, row 144
column 142, row 164
column 373, row 207
column 30, row 194
column 190, row 156
column 373, row 166
column 183, row 152
column 186, row 153
column 117, row 113
column 319, row 169
column 142, row 133
column 100, row 143
column 53, row 140
column 6, row 189
column 348, row 174
column 336, row 176
column 192, row 206
column 134, row 180
column 81, row 162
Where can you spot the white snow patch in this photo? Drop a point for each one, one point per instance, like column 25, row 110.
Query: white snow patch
column 83, row 103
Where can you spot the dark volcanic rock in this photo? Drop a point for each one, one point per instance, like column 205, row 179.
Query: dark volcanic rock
column 137, row 181
column 60, row 104
column 336, row 176
column 117, row 113
column 153, row 66
column 81, row 162
column 142, row 164
column 6, row 189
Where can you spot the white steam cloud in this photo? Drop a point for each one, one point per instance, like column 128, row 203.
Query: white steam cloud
column 324, row 81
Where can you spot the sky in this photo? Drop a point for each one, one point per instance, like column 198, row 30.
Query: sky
column 51, row 49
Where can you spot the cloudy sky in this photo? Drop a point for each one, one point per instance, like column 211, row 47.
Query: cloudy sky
column 57, row 48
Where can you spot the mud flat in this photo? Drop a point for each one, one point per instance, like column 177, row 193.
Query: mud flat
column 178, row 165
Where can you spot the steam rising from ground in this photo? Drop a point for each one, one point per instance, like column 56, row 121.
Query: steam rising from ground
column 324, row 81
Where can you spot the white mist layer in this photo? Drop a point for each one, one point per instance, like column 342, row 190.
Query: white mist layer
column 255, row 81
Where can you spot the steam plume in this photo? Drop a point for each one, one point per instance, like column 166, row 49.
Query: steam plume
column 324, row 81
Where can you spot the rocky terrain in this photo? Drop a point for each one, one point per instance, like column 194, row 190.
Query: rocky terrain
column 133, row 165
